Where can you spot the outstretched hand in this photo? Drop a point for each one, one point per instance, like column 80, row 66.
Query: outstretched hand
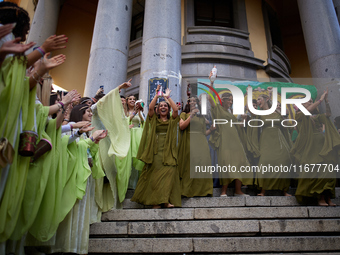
column 54, row 42
column 14, row 46
column 71, row 97
column 86, row 128
column 6, row 29
column 99, row 135
column 50, row 63
column 167, row 93
column 324, row 96
column 125, row 85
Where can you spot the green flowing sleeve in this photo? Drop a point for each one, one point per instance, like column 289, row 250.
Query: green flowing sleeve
column 331, row 148
column 111, row 113
column 84, row 170
column 14, row 96
column 97, row 170
column 305, row 135
column 215, row 137
column 253, row 145
column 170, row 146
column 146, row 148
column 36, row 180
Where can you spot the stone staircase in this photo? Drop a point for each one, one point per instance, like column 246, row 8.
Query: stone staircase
column 217, row 225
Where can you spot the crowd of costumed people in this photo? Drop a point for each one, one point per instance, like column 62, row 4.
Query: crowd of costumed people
column 66, row 159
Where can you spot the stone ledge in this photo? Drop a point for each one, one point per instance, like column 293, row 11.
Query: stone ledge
column 109, row 228
column 194, row 227
column 299, row 226
column 267, row 244
column 140, row 245
column 251, row 213
column 324, row 212
column 149, row 214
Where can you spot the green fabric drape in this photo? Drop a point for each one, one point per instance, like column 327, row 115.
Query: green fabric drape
column 15, row 96
column 159, row 181
column 313, row 147
column 194, row 151
column 231, row 143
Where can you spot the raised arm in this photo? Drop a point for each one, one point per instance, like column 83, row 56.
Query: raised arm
column 153, row 102
column 172, row 103
column 52, row 43
column 43, row 66
column 313, row 106
column 211, row 101
column 183, row 124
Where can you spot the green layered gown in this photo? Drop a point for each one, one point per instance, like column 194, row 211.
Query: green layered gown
column 312, row 146
column 272, row 146
column 15, row 96
column 231, row 143
column 159, row 181
column 194, row 151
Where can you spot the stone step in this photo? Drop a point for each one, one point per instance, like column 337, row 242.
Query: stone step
column 221, row 213
column 250, row 191
column 210, row 202
column 230, row 192
column 215, row 245
column 215, row 227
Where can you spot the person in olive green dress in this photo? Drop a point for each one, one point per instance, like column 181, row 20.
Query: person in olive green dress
column 231, row 142
column 194, row 151
column 313, row 146
column 273, row 145
column 159, row 182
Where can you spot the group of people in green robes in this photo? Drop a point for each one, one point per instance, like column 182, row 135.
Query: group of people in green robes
column 50, row 199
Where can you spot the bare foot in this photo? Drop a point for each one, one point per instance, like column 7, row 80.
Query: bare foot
column 330, row 203
column 322, row 202
column 156, row 207
column 168, row 205
column 261, row 194
column 286, row 194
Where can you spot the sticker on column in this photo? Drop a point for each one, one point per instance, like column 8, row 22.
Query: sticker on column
column 153, row 83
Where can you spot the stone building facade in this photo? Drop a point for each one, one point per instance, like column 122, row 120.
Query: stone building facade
column 264, row 40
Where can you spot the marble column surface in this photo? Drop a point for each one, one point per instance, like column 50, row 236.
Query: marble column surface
column 110, row 46
column 161, row 49
column 322, row 37
column 44, row 22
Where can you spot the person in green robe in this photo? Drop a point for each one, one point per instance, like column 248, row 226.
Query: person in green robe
column 231, row 142
column 194, row 152
column 313, row 146
column 130, row 163
column 159, row 183
column 272, row 144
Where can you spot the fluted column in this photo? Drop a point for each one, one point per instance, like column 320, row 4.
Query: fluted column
column 45, row 21
column 322, row 37
column 161, row 49
column 110, row 46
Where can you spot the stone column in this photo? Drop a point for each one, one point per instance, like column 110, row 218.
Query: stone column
column 110, row 46
column 45, row 21
column 337, row 8
column 161, row 49
column 322, row 37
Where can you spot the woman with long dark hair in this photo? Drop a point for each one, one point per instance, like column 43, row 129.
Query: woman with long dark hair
column 194, row 151
column 159, row 182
